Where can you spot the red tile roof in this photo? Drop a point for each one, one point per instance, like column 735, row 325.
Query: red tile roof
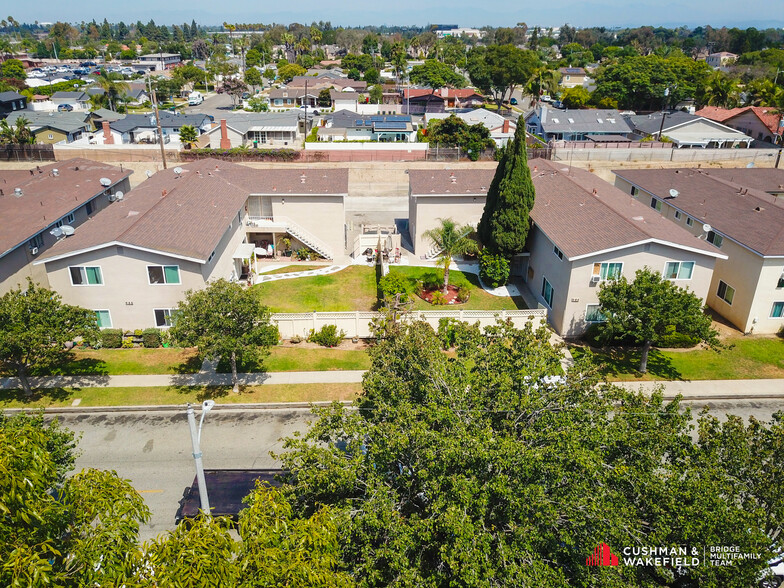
column 46, row 198
column 769, row 117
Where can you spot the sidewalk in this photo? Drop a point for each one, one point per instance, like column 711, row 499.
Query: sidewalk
column 697, row 389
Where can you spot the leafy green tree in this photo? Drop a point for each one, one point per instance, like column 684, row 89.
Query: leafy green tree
column 577, row 97
column 258, row 104
column 324, row 98
column 371, row 76
column 289, row 71
column 35, row 325
column 19, row 134
column 499, row 69
column 504, row 225
column 475, row 468
column 235, row 88
column 493, row 269
column 354, row 74
column 358, row 62
column 227, row 321
column 543, row 80
column 435, row 75
column 376, row 94
column 399, row 60
column 648, row 307
column 450, row 239
column 13, row 68
column 188, row 135
column 721, row 90
column 113, row 88
column 455, row 132
column 253, row 77
column 57, row 530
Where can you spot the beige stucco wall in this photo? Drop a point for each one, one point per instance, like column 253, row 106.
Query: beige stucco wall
column 425, row 212
column 234, row 137
column 543, row 263
column 749, row 123
column 18, row 264
column 767, row 294
column 322, row 216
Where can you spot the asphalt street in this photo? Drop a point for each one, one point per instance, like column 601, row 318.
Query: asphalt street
column 153, row 449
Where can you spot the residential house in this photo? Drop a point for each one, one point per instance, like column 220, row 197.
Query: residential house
column 345, row 125
column 137, row 94
column 141, row 128
column 321, row 82
column 575, row 125
column 501, row 129
column 293, row 97
column 688, row 130
column 583, row 231
column 37, row 204
column 737, row 211
column 184, row 227
column 573, row 77
column 99, row 115
column 720, row 59
column 452, row 97
column 78, row 100
column 419, row 101
column 54, row 127
column 10, row 102
column 346, row 99
column 760, row 122
column 258, row 129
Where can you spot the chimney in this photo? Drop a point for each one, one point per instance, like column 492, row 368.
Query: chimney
column 107, row 133
column 544, row 114
column 224, row 142
column 505, row 128
column 444, row 92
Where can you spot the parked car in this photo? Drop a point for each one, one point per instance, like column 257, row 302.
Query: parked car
column 87, row 64
column 64, row 108
column 545, row 98
column 309, row 109
column 513, row 101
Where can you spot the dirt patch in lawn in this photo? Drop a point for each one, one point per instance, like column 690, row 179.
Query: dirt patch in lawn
column 451, row 295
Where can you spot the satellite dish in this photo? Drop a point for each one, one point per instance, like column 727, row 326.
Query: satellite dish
column 68, row 230
column 178, row 170
column 707, row 228
column 149, row 173
column 674, row 193
column 119, row 195
column 57, row 232
column 105, row 182
column 750, row 164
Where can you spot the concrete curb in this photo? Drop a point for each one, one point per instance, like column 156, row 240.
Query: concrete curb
column 174, row 407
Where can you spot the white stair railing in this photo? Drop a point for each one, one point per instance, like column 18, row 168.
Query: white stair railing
column 306, row 237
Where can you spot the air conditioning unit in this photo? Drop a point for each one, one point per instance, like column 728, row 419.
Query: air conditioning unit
column 595, row 279
column 34, row 250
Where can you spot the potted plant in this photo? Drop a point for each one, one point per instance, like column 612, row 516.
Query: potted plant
column 284, row 245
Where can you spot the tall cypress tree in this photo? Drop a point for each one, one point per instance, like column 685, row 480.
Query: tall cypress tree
column 505, row 223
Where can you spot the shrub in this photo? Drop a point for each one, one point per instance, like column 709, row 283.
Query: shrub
column 137, row 333
column 392, row 284
column 438, row 297
column 296, row 339
column 671, row 339
column 151, row 338
column 111, row 338
column 493, row 269
column 463, row 294
column 454, row 332
column 327, row 336
column 127, row 344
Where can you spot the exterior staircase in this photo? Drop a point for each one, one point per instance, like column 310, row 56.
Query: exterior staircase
column 296, row 231
column 435, row 250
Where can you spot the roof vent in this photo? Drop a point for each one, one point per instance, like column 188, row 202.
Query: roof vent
column 55, row 172
column 453, row 178
column 759, row 209
column 638, row 218
column 302, row 178
column 18, row 192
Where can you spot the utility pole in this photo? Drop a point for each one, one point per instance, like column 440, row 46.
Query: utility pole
column 203, row 498
column 157, row 121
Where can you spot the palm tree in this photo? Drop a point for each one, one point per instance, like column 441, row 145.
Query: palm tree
column 113, row 88
column 19, row 134
column 721, row 90
column 543, row 81
column 451, row 240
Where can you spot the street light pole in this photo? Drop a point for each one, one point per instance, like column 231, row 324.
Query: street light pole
column 195, row 438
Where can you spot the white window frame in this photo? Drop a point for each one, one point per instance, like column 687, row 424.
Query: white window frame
column 600, row 264
column 164, row 283
column 545, row 283
column 171, row 312
column 656, row 204
column 772, row 308
column 84, row 267
column 716, row 237
column 678, row 271
column 780, row 281
column 586, row 313
column 689, row 221
column 107, row 311
column 558, row 253
column 36, row 241
column 720, row 297
column 678, row 215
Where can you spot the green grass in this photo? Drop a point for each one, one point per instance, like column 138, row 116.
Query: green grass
column 291, row 269
column 140, row 396
column 353, row 288
column 478, row 300
column 744, row 358
column 301, row 359
column 129, row 361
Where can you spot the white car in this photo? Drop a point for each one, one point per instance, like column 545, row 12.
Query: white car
column 309, row 109
column 36, row 74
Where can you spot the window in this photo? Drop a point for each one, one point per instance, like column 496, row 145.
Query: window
column 547, row 292
column 164, row 316
column 593, row 314
column 209, row 259
column 634, row 191
column 163, row 274
column 677, row 215
column 66, row 220
column 104, row 319
column 778, row 310
column 715, row 238
column 89, row 207
column 86, row 275
column 558, row 252
column 689, row 221
column 37, row 241
column 781, row 281
column 725, row 292
column 656, row 204
column 608, row 271
column 678, row 270
column 51, row 136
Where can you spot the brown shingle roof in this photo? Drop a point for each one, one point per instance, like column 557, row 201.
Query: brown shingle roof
column 187, row 215
column 47, row 198
column 741, row 212
column 566, row 209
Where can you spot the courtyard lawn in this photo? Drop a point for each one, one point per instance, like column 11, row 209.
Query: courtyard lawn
column 353, row 288
column 115, row 362
column 303, row 359
column 478, row 300
column 744, row 358
column 153, row 396
column 290, row 269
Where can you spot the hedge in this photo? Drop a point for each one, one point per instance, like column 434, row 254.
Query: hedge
column 241, row 153
column 151, row 337
column 112, row 338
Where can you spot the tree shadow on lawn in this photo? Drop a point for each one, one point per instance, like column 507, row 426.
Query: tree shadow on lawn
column 46, row 396
column 68, row 365
column 191, row 366
column 625, row 361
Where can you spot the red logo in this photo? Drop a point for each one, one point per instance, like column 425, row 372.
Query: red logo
column 602, row 556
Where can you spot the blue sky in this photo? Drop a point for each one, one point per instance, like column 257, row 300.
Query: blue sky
column 416, row 12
